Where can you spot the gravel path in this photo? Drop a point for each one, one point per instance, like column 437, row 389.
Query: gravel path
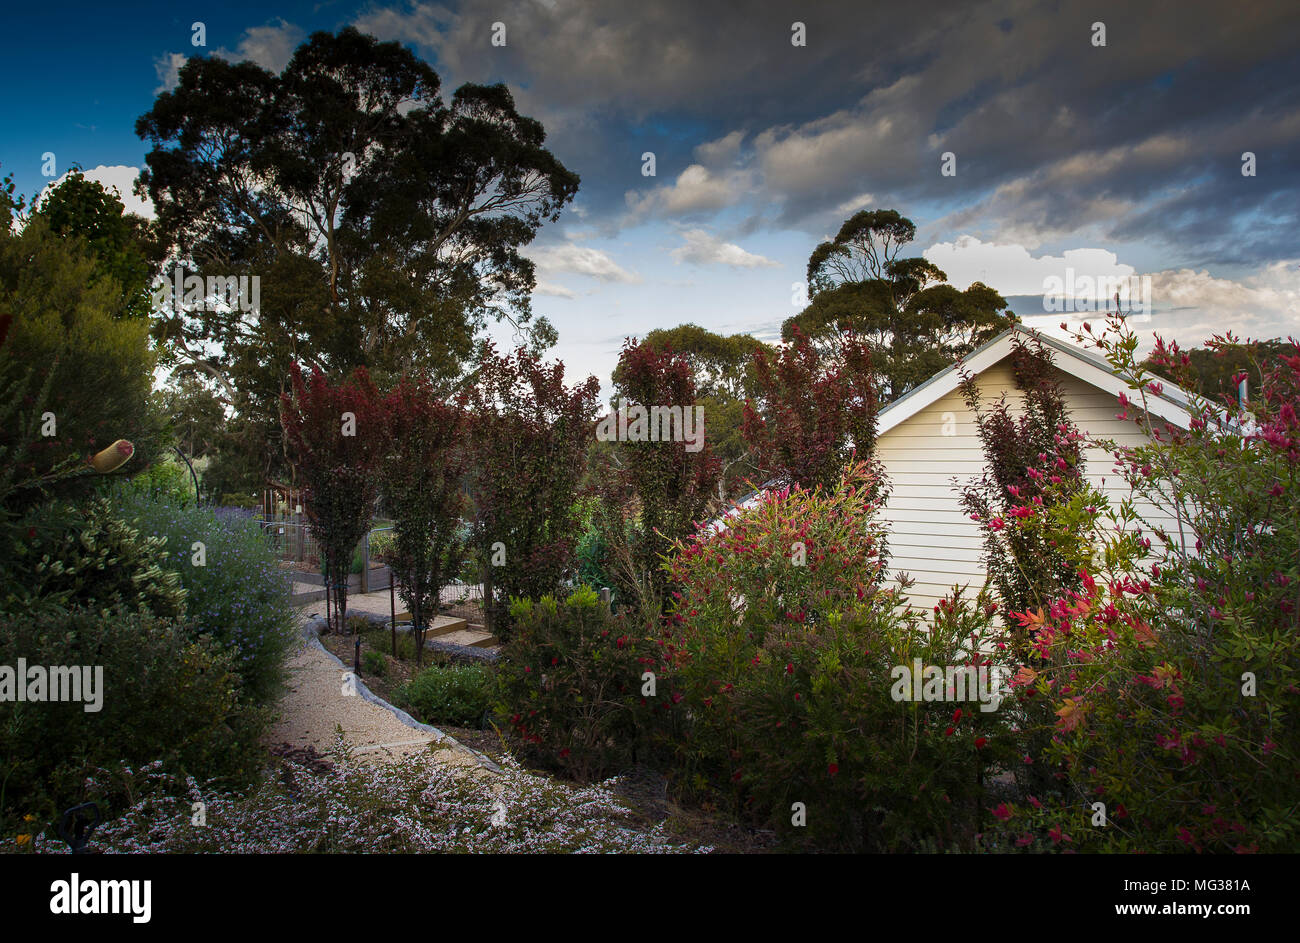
column 316, row 703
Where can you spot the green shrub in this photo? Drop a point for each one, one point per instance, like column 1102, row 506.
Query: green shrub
column 452, row 694
column 91, row 556
column 381, row 544
column 165, row 696
column 814, row 720
column 1172, row 673
column 374, row 663
column 239, row 499
column 784, row 647
column 571, row 680
column 239, row 596
column 167, row 481
column 380, row 638
column 594, row 566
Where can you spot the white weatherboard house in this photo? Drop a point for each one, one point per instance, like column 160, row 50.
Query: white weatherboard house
column 931, row 538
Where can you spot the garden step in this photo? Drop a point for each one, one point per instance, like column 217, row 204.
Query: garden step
column 441, row 625
column 471, row 638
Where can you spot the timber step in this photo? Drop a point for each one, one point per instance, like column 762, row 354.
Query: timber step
column 455, row 631
column 441, row 625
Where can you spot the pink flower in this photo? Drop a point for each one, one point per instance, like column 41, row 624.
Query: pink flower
column 1001, row 813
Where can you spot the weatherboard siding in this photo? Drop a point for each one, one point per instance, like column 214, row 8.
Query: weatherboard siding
column 931, row 538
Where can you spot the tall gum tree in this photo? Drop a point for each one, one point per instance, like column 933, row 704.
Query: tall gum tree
column 385, row 224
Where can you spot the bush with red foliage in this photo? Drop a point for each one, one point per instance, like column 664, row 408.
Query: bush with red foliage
column 653, row 492
column 814, row 415
column 337, row 437
column 422, row 477
column 529, row 434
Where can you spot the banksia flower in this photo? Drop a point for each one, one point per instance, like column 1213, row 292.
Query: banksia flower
column 113, row 457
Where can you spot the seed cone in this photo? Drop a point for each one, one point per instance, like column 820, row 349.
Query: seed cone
column 113, row 457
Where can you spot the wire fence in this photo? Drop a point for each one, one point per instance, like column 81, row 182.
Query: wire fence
column 294, row 546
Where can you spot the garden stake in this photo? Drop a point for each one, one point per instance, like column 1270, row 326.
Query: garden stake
column 356, row 656
column 392, row 607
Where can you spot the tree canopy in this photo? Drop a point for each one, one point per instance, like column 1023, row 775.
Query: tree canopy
column 913, row 322
column 384, row 223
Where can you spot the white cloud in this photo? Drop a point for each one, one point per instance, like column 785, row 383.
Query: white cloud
column 582, row 260
column 116, row 178
column 1010, row 269
column 696, row 188
column 1189, row 306
column 554, row 290
column 168, row 67
column 270, row 46
column 704, row 249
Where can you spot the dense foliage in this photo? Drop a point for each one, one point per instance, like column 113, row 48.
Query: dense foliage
column 337, row 437
column 812, row 414
column 653, row 492
column 1033, row 454
column 235, row 590
column 422, row 486
column 571, row 684
column 454, row 694
column 165, row 696
column 1172, row 670
column 529, row 434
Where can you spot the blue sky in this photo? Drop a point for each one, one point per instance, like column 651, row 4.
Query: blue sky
column 1113, row 160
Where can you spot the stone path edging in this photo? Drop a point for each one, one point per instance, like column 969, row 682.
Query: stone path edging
column 311, row 632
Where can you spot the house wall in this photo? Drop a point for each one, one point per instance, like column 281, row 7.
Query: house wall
column 931, row 538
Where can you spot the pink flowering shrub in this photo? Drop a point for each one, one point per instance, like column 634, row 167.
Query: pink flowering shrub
column 1173, row 670
column 784, row 643
column 570, row 684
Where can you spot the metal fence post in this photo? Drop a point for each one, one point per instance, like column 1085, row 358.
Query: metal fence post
column 365, row 565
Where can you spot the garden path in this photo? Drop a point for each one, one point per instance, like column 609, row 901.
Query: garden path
column 317, row 701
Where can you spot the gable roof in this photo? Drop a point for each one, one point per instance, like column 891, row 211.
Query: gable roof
column 1170, row 405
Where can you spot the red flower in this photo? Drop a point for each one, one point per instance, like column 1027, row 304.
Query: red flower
column 832, row 769
column 979, row 742
column 1001, row 813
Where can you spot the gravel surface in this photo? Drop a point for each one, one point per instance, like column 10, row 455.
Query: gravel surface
column 315, row 704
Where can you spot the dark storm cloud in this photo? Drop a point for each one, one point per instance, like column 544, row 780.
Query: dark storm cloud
column 1141, row 139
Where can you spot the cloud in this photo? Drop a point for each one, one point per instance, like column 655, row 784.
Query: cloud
column 168, row 68
column 114, row 178
column 581, row 260
column 704, row 249
column 1011, row 269
column 724, row 150
column 556, row 291
column 696, row 189
column 270, row 46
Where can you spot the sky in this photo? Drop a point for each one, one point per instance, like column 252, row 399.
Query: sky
column 1068, row 157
